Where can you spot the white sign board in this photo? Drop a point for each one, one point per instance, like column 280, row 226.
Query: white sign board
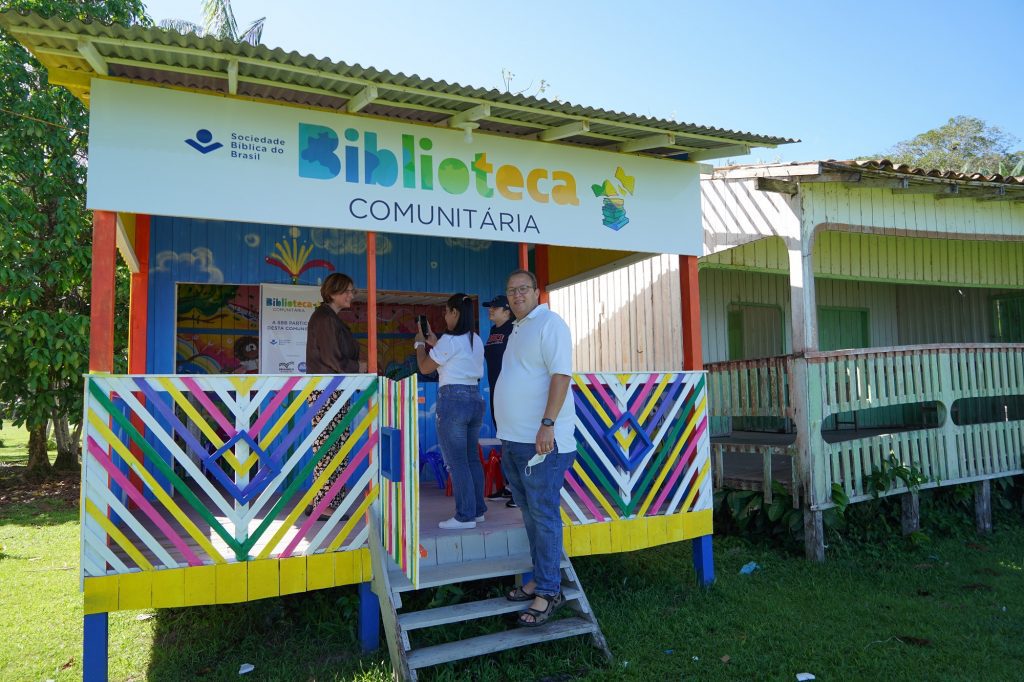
column 166, row 152
column 284, row 313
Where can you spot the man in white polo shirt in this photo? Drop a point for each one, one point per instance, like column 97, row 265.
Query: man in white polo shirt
column 536, row 417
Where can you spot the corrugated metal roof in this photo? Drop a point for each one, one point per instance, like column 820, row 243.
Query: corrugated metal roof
column 74, row 51
column 871, row 167
column 904, row 169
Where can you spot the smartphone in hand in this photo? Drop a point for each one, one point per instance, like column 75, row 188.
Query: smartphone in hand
column 421, row 320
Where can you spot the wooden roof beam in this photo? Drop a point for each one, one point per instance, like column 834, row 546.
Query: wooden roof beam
column 930, row 188
column 362, row 99
column 981, row 193
column 879, row 183
column 649, row 142
column 233, row 77
column 1008, row 196
column 781, row 186
column 719, row 152
column 470, row 115
column 93, row 56
column 563, row 131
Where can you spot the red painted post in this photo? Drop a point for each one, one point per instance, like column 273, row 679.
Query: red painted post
column 540, row 259
column 524, row 256
column 689, row 291
column 101, row 307
column 138, row 314
column 371, row 301
column 138, row 307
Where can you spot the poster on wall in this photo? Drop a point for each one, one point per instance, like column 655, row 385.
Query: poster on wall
column 284, row 314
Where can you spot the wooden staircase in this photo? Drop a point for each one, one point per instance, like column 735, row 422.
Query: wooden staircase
column 389, row 584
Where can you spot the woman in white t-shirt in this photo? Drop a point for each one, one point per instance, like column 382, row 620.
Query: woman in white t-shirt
column 458, row 357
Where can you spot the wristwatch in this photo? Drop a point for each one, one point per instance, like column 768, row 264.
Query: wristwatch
column 547, row 422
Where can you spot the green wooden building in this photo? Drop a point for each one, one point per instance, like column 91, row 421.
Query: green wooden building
column 853, row 314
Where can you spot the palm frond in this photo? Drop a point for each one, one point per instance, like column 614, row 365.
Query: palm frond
column 219, row 20
column 181, row 26
column 254, row 33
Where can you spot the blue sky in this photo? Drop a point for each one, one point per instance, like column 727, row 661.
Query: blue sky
column 848, row 79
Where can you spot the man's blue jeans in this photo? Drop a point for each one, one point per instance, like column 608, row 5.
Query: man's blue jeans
column 538, row 496
column 460, row 411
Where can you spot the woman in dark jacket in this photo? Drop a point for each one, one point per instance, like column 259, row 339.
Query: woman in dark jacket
column 331, row 349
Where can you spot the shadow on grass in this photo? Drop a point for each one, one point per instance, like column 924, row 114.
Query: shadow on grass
column 303, row 636
column 50, row 502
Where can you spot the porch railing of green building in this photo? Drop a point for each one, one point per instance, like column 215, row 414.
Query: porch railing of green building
column 949, row 378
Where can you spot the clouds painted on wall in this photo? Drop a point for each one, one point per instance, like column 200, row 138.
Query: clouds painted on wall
column 468, row 244
column 343, row 242
column 196, row 265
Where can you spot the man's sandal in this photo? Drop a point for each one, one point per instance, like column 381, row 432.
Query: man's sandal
column 519, row 594
column 541, row 617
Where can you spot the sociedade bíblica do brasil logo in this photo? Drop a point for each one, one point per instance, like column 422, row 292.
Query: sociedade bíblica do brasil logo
column 243, row 146
column 362, row 160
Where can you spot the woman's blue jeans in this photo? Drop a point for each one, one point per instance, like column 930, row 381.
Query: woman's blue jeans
column 460, row 411
column 538, row 495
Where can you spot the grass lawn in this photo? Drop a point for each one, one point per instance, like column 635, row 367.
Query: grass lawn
column 952, row 610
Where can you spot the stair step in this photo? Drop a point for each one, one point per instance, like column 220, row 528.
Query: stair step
column 469, row 611
column 447, row 574
column 498, row 641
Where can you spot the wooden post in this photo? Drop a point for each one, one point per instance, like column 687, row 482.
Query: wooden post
column 814, row 535
column 983, row 506
column 910, row 520
column 94, row 649
column 689, row 291
column 540, row 259
column 101, row 359
column 805, row 393
column 138, row 305
column 704, row 560
column 693, row 361
column 524, row 256
column 369, row 618
column 138, row 317
column 371, row 302
column 101, row 306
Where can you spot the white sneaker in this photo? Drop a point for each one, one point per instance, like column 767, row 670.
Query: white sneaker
column 480, row 519
column 455, row 524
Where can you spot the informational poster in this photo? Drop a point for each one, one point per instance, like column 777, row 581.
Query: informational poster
column 284, row 314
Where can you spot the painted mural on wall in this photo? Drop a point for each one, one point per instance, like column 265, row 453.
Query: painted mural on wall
column 217, row 329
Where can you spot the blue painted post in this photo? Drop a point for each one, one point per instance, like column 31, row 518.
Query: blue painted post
column 94, row 648
column 703, row 560
column 369, row 618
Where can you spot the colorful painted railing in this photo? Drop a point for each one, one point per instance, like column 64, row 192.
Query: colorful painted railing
column 399, row 481
column 642, row 448
column 848, row 381
column 191, row 472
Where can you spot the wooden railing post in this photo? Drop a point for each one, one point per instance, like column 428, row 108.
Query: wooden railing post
column 808, row 409
column 946, row 395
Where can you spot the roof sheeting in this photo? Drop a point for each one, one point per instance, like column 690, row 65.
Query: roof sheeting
column 74, row 52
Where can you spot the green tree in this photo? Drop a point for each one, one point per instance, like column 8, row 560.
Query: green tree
column 46, row 237
column 965, row 144
column 219, row 22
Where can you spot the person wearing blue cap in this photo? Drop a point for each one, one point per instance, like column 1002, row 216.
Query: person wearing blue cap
column 500, row 315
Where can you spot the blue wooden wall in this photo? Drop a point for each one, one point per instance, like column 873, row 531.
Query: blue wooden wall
column 216, row 252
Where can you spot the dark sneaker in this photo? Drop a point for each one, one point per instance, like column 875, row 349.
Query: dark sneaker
column 511, row 504
column 500, row 494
